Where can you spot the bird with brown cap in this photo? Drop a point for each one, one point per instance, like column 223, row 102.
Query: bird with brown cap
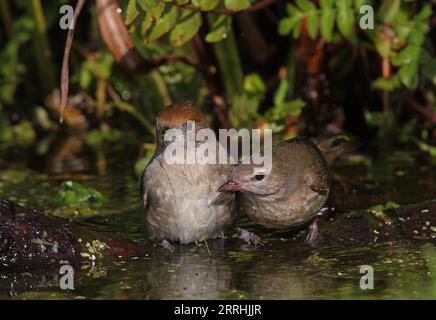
column 181, row 199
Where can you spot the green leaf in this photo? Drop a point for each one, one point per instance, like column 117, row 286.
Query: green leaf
column 219, row 29
column 74, row 193
column 244, row 109
column 237, row 5
column 409, row 75
column 253, row 84
column 295, row 107
column 292, row 10
column 85, row 75
column 312, row 25
column 164, row 24
column 105, row 65
column 388, row 10
column 309, row 10
column 11, row 68
column 382, row 45
column 206, row 5
column 132, row 12
column 297, row 30
column 407, row 55
column 425, row 13
column 186, row 28
column 327, row 24
column 146, row 24
column 287, row 24
column 290, row 108
column 23, row 134
column 360, row 3
column 386, row 84
column 153, row 8
column 387, row 206
column 418, row 32
column 374, row 119
column 345, row 19
column 392, row 205
column 426, row 147
column 306, row 6
column 326, row 4
column 282, row 92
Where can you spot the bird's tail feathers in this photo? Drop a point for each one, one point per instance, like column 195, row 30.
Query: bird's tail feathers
column 333, row 146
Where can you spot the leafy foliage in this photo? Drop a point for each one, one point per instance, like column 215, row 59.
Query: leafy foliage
column 405, row 47
column 263, row 69
column 321, row 20
column 73, row 193
column 11, row 68
column 399, row 35
column 180, row 20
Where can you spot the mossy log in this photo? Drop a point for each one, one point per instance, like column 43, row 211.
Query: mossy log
column 363, row 227
column 28, row 237
column 31, row 238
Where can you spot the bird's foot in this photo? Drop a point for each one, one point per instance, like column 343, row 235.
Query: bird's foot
column 312, row 235
column 166, row 245
column 249, row 237
column 221, row 235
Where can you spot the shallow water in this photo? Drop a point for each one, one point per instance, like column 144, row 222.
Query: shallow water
column 232, row 270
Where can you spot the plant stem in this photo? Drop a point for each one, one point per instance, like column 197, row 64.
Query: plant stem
column 41, row 47
column 161, row 87
column 386, row 73
column 230, row 67
column 127, row 107
column 6, row 15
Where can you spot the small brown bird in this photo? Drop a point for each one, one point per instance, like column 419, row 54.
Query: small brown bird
column 181, row 200
column 295, row 189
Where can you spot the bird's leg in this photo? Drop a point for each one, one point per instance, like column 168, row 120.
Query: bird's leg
column 312, row 235
column 249, row 237
column 166, row 245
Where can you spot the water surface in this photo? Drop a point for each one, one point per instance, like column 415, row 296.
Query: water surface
column 232, row 270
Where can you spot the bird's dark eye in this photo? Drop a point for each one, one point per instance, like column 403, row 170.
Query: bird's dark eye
column 259, row 176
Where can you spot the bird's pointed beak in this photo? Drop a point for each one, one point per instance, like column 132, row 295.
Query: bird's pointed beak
column 230, row 186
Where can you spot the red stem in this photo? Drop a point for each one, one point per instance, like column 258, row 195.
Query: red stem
column 65, row 65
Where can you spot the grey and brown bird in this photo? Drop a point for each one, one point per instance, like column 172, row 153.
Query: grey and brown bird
column 296, row 187
column 181, row 200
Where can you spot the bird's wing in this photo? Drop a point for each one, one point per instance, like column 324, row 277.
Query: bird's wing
column 150, row 177
column 143, row 193
column 144, row 183
column 317, row 177
column 223, row 199
column 316, row 174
